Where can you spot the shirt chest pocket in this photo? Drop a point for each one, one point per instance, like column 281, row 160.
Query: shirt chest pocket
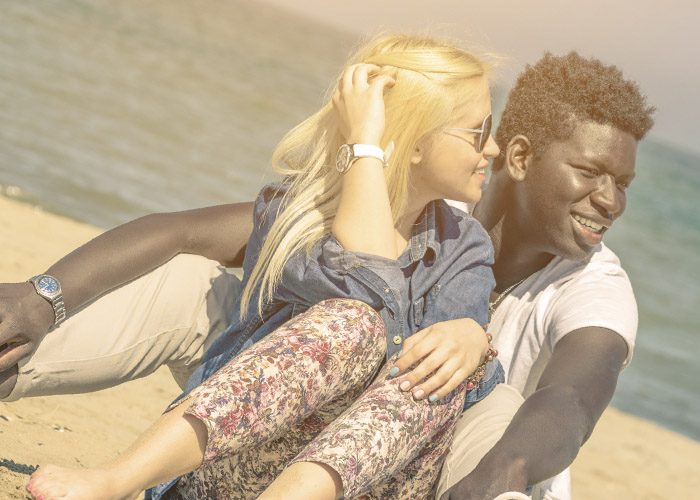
column 423, row 308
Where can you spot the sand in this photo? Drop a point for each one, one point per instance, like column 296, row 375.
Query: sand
column 626, row 458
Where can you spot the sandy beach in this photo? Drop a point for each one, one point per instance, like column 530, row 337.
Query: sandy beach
column 627, row 457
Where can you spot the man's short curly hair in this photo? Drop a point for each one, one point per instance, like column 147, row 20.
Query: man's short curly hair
column 557, row 92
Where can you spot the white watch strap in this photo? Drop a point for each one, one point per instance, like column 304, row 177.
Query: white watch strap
column 368, row 151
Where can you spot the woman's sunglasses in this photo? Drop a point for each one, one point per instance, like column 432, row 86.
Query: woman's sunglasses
column 481, row 134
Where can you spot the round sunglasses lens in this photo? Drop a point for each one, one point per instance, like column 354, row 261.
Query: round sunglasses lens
column 485, row 133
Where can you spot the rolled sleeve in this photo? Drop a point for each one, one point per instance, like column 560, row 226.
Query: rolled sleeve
column 328, row 270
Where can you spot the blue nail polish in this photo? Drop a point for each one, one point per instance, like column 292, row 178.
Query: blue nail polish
column 394, row 371
column 433, row 398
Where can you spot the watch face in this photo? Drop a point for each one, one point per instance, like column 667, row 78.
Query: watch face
column 48, row 285
column 342, row 161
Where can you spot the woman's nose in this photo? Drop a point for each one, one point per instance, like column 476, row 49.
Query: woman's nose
column 491, row 149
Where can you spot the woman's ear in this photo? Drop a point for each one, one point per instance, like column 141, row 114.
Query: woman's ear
column 518, row 157
column 418, row 152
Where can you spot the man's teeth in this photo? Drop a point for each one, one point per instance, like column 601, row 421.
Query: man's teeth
column 588, row 223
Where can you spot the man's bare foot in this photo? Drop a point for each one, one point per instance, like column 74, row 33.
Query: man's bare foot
column 52, row 482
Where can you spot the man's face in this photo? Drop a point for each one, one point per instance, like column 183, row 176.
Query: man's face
column 575, row 189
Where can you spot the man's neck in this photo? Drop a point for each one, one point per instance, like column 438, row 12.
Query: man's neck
column 516, row 258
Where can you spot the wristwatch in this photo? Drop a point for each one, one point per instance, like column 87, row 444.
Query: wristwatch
column 348, row 153
column 49, row 288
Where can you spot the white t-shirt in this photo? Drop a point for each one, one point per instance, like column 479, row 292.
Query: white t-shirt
column 560, row 298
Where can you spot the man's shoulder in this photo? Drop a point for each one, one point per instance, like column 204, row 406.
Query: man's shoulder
column 564, row 279
column 604, row 255
column 602, row 262
column 590, row 287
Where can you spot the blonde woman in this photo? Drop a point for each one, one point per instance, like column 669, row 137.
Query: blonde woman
column 354, row 258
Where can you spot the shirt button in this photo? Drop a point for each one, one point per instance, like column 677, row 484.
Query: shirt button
column 397, row 339
column 386, row 290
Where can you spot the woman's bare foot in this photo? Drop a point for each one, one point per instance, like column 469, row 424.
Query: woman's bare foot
column 51, row 482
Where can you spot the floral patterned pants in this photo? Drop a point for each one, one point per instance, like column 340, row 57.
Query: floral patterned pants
column 302, row 394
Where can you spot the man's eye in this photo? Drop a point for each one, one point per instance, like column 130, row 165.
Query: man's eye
column 588, row 171
column 622, row 185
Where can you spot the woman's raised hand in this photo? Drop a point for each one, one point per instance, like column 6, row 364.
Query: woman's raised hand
column 449, row 350
column 359, row 103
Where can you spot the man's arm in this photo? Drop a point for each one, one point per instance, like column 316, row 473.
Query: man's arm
column 116, row 257
column 550, row 427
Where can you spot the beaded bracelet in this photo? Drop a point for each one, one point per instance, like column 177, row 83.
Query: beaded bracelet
column 475, row 378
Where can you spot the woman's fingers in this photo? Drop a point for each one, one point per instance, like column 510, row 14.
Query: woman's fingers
column 433, row 372
column 415, row 348
column 361, row 74
column 358, row 76
column 430, row 360
column 359, row 103
column 380, row 84
column 443, row 375
column 443, row 387
column 346, row 80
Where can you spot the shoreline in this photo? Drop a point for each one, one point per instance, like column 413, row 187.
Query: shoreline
column 627, row 456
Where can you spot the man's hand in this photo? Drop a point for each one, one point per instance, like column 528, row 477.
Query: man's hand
column 548, row 430
column 487, row 482
column 449, row 350
column 465, row 490
column 25, row 318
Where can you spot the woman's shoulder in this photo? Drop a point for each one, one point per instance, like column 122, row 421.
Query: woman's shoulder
column 453, row 222
column 269, row 200
column 272, row 192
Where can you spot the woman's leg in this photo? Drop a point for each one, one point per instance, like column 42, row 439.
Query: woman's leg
column 247, row 473
column 173, row 445
column 326, row 351
column 383, row 432
column 133, row 330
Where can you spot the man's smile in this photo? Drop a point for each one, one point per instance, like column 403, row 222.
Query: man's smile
column 590, row 230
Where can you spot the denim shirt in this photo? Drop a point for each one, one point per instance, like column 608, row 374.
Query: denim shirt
column 443, row 274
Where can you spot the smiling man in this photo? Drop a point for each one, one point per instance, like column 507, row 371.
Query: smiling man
column 564, row 315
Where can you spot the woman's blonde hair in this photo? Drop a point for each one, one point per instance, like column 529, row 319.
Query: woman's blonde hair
column 433, row 79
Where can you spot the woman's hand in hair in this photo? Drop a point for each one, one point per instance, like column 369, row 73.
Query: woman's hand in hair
column 445, row 353
column 359, row 103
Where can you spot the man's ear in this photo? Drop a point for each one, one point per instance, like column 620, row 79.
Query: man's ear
column 518, row 157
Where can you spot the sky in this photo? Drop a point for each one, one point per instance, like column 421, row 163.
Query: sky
column 655, row 43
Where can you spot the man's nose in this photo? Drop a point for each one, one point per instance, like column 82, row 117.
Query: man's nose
column 608, row 197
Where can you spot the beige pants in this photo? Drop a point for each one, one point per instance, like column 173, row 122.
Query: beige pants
column 477, row 431
column 169, row 317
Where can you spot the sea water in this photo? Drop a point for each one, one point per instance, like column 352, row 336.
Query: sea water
column 111, row 110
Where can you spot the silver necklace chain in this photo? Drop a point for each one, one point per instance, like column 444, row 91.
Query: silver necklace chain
column 495, row 303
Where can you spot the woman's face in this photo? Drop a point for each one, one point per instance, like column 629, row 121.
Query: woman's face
column 447, row 164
